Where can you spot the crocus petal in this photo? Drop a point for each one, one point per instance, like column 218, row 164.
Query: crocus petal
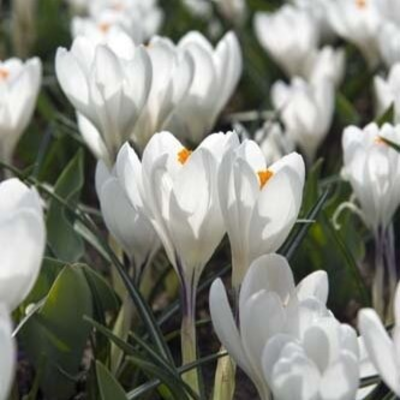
column 8, row 353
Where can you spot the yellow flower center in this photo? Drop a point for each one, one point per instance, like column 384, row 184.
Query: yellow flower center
column 183, row 155
column 361, row 4
column 264, row 176
column 4, row 74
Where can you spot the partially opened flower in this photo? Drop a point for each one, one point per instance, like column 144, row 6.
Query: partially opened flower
column 173, row 71
column 125, row 219
column 387, row 90
column 179, row 194
column 306, row 111
column 19, row 88
column 216, row 75
column 269, row 305
column 259, row 203
column 233, row 10
column 289, row 35
column 383, row 350
column 358, row 21
column 108, row 85
column 326, row 64
column 21, row 227
column 8, row 353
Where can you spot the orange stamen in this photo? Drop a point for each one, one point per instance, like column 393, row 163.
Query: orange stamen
column 379, row 140
column 183, row 155
column 264, row 176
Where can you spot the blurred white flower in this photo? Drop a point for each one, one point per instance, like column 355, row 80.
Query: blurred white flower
column 19, row 88
column 125, row 219
column 259, row 204
column 173, row 71
column 327, row 63
column 216, row 75
column 358, row 21
column 145, row 15
column 199, row 8
column 233, row 10
column 389, row 43
column 373, row 169
column 99, row 28
column 21, row 227
column 390, row 10
column 276, row 315
column 8, row 353
column 387, row 91
column 289, row 35
column 273, row 142
column 383, row 350
column 306, row 111
column 109, row 86
column 318, row 10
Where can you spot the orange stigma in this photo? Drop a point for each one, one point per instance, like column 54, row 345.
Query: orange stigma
column 104, row 27
column 361, row 4
column 183, row 155
column 4, row 74
column 264, row 176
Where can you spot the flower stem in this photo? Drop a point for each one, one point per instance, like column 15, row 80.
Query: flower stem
column 188, row 334
column 385, row 272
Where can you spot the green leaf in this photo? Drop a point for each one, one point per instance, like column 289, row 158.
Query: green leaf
column 109, row 388
column 346, row 111
column 58, row 334
column 395, row 146
column 65, row 243
column 386, row 117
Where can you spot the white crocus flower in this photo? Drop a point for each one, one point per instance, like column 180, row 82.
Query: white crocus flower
column 358, row 21
column 390, row 10
column 306, row 111
column 259, row 203
column 373, row 169
column 125, row 219
column 179, row 195
column 8, row 353
column 327, row 63
column 383, row 350
column 217, row 73
column 389, row 43
column 387, row 91
column 289, row 35
column 108, row 85
column 21, row 224
column 321, row 365
column 269, row 304
column 173, row 71
column 19, row 88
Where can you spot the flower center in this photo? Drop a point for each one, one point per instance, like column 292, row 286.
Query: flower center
column 4, row 74
column 104, row 27
column 264, row 176
column 118, row 6
column 361, row 4
column 379, row 140
column 183, row 155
